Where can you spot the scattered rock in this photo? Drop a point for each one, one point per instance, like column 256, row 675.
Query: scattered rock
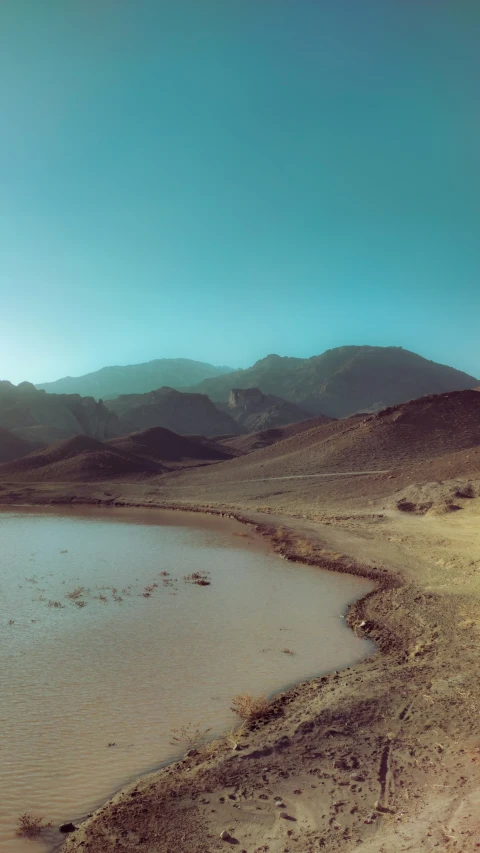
column 225, row 835
column 381, row 808
column 67, row 827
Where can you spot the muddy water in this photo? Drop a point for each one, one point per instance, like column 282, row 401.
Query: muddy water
column 103, row 642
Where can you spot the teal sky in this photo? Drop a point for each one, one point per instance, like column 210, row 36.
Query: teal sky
column 221, row 179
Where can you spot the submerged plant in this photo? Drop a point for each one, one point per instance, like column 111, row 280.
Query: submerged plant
column 199, row 578
column 193, row 736
column 75, row 593
column 30, row 826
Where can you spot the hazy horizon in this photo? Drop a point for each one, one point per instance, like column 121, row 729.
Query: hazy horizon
column 222, row 181
column 224, row 364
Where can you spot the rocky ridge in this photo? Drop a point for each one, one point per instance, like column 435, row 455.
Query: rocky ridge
column 344, row 380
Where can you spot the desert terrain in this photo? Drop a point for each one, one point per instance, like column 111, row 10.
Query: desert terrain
column 384, row 756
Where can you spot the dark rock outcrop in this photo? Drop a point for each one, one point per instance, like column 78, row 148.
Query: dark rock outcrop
column 253, row 410
column 67, row 827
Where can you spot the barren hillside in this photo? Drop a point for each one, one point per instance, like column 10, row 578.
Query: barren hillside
column 344, row 380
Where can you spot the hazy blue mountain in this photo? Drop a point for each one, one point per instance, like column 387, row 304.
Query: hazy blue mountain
column 110, row 382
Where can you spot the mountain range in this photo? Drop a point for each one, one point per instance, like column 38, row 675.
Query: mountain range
column 344, row 380
column 430, row 431
column 109, row 382
column 40, row 418
column 337, row 383
column 272, row 393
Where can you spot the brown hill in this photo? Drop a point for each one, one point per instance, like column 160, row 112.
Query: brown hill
column 180, row 412
column 12, row 446
column 409, row 433
column 348, row 463
column 78, row 459
column 264, row 438
column 344, row 380
column 41, row 418
column 163, row 445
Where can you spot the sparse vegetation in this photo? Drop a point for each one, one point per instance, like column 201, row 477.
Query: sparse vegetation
column 191, row 735
column 30, row 826
column 234, row 735
column 199, row 578
column 249, row 707
column 294, row 547
column 75, row 594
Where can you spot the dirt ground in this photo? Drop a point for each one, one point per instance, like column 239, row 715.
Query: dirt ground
column 384, row 756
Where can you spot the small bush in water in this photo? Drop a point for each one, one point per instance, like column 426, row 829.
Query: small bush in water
column 30, row 826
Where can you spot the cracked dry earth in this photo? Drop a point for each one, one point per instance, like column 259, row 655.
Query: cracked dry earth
column 383, row 757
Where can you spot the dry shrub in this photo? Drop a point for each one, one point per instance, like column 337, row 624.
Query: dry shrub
column 304, row 549
column 249, row 707
column 192, row 735
column 281, row 537
column 30, row 826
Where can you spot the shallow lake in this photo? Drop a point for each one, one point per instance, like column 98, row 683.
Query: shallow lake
column 106, row 651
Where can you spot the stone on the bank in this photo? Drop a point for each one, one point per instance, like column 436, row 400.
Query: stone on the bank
column 67, row 827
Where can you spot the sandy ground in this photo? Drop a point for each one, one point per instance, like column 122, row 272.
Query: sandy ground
column 385, row 756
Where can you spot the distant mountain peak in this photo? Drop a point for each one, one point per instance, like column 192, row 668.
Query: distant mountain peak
column 343, row 380
column 110, row 382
